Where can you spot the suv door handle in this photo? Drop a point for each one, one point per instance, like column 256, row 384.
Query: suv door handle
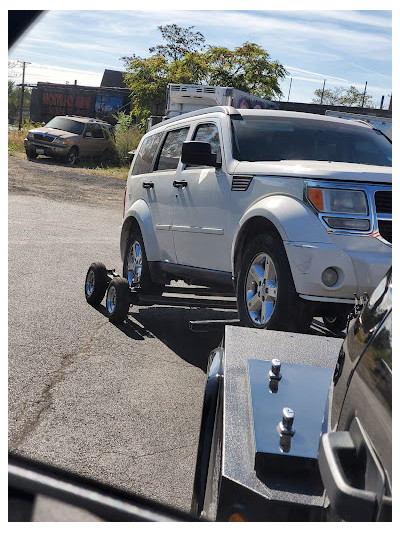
column 180, row 184
column 343, row 455
column 147, row 184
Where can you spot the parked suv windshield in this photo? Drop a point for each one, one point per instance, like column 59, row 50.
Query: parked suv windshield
column 66, row 124
column 259, row 138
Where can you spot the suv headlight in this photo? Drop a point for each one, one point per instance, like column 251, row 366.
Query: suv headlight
column 60, row 141
column 30, row 136
column 341, row 201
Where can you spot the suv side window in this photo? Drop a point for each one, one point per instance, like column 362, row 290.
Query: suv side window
column 106, row 132
column 97, row 132
column 208, row 133
column 146, row 154
column 172, row 149
column 91, row 128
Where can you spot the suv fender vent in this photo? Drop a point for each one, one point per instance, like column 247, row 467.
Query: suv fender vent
column 241, row 183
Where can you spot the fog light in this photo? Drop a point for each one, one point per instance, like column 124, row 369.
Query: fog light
column 329, row 277
column 358, row 224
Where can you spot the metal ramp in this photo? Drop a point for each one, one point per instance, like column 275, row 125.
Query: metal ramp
column 196, row 297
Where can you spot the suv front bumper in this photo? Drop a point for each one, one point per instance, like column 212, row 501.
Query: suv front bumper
column 360, row 262
column 45, row 148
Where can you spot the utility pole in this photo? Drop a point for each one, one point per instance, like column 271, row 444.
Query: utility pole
column 290, row 86
column 22, row 93
column 322, row 94
column 365, row 92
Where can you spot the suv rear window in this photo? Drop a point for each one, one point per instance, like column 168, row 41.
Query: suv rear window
column 259, row 138
column 66, row 124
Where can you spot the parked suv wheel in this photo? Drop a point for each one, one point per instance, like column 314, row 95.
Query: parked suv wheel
column 136, row 267
column 266, row 295
column 31, row 154
column 72, row 156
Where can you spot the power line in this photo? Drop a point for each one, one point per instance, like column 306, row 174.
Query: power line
column 22, row 92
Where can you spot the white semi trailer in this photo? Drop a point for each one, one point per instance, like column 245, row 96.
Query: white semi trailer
column 382, row 123
column 182, row 98
column 185, row 98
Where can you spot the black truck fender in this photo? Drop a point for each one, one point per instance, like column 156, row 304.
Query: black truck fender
column 212, row 389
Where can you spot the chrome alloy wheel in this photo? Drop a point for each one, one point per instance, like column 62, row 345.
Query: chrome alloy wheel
column 111, row 300
column 89, row 287
column 261, row 289
column 134, row 267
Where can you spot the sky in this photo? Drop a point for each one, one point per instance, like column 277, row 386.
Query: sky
column 344, row 47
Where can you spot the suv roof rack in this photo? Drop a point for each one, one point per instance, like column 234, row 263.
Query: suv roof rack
column 226, row 109
column 89, row 119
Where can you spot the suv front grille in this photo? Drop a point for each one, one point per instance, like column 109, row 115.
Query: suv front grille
column 383, row 201
column 44, row 137
column 385, row 229
column 383, row 207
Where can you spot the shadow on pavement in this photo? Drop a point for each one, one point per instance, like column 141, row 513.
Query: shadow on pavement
column 171, row 326
column 169, row 321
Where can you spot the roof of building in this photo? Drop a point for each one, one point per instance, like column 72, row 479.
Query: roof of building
column 112, row 78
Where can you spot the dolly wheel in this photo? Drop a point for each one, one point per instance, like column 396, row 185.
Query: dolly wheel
column 118, row 300
column 96, row 283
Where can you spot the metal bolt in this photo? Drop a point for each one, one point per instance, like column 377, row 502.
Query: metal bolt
column 276, row 366
column 288, row 417
column 285, row 426
column 274, row 373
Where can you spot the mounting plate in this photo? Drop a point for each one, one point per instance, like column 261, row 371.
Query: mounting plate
column 302, row 388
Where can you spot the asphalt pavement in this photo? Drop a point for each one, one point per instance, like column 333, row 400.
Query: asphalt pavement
column 119, row 404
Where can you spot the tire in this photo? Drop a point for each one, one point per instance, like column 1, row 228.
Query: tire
column 266, row 296
column 31, row 154
column 106, row 156
column 136, row 267
column 96, row 283
column 336, row 324
column 72, row 156
column 118, row 300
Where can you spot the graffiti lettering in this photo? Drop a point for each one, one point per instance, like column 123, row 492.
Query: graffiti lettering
column 83, row 101
column 62, row 100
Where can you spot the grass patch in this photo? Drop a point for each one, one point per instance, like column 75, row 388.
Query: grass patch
column 16, row 139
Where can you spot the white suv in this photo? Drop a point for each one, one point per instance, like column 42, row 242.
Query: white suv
column 291, row 210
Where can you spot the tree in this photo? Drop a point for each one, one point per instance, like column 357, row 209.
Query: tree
column 14, row 99
column 248, row 68
column 184, row 59
column 179, row 42
column 341, row 96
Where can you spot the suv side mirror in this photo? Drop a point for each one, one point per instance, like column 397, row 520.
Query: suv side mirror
column 199, row 154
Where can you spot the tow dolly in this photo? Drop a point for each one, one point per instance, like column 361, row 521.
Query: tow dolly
column 101, row 282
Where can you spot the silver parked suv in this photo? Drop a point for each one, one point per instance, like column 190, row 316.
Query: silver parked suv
column 70, row 138
column 293, row 210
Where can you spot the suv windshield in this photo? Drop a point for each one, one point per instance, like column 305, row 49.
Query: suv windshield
column 260, row 138
column 66, row 124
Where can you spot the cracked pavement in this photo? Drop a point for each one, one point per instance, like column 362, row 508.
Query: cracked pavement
column 119, row 404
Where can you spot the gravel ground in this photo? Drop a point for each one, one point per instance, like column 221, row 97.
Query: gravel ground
column 45, row 177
